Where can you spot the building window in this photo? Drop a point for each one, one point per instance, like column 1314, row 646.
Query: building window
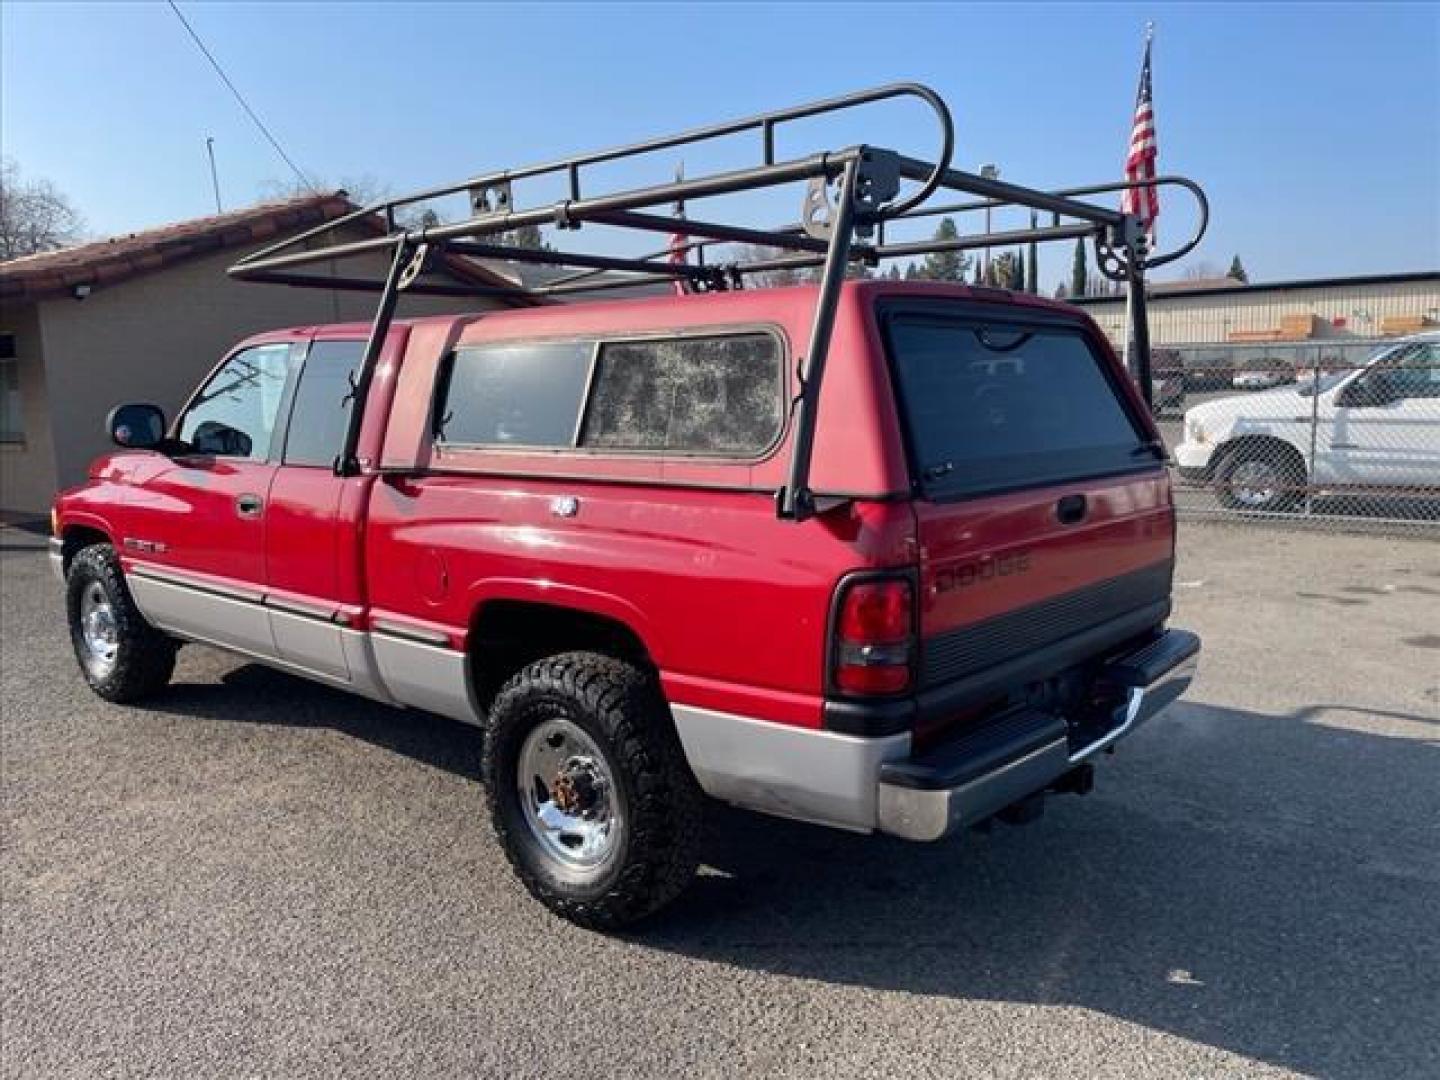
column 12, row 423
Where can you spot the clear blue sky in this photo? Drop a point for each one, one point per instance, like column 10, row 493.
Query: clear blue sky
column 1315, row 128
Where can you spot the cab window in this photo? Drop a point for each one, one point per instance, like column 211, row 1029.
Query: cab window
column 234, row 414
column 321, row 413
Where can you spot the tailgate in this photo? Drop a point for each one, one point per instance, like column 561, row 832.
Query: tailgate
column 1011, row 576
column 1044, row 520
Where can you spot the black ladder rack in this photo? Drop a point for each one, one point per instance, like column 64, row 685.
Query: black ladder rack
column 849, row 198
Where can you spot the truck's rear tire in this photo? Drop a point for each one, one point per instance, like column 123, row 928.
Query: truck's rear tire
column 589, row 792
column 122, row 657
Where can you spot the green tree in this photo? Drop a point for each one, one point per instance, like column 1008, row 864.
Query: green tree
column 1079, row 269
column 1237, row 271
column 526, row 236
column 944, row 265
column 1032, row 264
column 912, row 272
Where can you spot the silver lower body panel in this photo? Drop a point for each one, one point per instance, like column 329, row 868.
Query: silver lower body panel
column 802, row 773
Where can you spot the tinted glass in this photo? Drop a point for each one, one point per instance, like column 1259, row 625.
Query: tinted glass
column 234, row 414
column 516, row 395
column 322, row 403
column 991, row 407
column 1411, row 371
column 701, row 395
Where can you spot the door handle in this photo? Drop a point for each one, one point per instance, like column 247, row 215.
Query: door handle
column 249, row 506
column 1070, row 509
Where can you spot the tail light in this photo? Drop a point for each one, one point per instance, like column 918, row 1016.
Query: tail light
column 874, row 647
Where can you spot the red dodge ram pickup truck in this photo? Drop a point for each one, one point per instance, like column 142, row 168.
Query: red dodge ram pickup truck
column 563, row 528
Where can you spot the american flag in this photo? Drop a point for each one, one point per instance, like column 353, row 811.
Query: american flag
column 1140, row 162
column 680, row 240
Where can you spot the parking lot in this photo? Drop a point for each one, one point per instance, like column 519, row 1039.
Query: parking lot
column 257, row 876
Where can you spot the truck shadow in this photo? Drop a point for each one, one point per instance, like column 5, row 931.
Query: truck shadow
column 250, row 693
column 1266, row 885
column 1262, row 884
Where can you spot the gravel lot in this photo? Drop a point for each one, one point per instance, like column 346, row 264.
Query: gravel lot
column 260, row 877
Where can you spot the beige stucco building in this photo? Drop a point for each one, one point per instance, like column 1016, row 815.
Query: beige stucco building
column 143, row 318
column 1212, row 312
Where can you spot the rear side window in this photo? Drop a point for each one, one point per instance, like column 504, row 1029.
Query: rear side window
column 991, row 406
column 322, row 403
column 699, row 395
column 718, row 395
column 526, row 395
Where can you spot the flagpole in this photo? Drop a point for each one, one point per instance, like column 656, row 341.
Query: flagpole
column 1131, row 358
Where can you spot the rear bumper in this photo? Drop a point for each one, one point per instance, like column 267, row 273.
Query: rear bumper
column 1025, row 751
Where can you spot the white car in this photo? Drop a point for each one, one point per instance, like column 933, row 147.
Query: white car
column 1377, row 427
column 1263, row 376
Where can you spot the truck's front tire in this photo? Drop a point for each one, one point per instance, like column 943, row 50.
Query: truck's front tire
column 589, row 792
column 122, row 657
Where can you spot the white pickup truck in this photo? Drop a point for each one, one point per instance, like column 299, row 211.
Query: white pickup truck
column 1376, row 427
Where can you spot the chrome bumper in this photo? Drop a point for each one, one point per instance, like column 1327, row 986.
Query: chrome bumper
column 57, row 558
column 963, row 784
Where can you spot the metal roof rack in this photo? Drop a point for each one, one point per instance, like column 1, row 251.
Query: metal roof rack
column 850, row 197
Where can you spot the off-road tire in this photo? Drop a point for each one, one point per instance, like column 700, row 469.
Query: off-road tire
column 620, row 707
column 145, row 658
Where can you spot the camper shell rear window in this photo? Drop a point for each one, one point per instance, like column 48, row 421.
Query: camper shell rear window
column 999, row 400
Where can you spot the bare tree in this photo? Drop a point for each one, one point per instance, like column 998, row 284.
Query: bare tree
column 361, row 190
column 1200, row 271
column 35, row 216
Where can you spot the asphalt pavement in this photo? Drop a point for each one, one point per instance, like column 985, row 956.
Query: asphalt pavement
column 255, row 876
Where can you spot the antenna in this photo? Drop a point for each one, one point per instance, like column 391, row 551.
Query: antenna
column 214, row 176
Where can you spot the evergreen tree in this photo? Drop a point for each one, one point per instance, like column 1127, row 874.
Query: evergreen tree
column 526, row 236
column 944, row 265
column 1079, row 269
column 912, row 273
column 1237, row 271
column 1032, row 264
column 1017, row 280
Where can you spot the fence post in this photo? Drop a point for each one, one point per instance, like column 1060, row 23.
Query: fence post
column 1314, row 432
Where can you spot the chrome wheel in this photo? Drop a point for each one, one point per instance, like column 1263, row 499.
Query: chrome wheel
column 1256, row 483
column 98, row 632
column 568, row 797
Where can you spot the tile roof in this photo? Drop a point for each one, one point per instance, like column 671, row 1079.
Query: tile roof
column 105, row 262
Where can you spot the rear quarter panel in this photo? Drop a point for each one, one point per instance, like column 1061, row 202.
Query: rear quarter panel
column 730, row 602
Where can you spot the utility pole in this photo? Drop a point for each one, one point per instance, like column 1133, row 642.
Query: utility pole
column 214, row 176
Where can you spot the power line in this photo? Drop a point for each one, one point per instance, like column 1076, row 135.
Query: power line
column 241, row 99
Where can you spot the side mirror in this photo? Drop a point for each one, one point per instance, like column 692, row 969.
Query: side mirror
column 136, row 426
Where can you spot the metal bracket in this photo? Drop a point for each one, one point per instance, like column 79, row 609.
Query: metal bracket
column 414, row 268
column 817, row 212
column 491, row 198
column 1123, row 249
column 877, row 182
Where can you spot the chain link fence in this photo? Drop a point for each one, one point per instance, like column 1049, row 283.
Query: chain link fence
column 1340, row 434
